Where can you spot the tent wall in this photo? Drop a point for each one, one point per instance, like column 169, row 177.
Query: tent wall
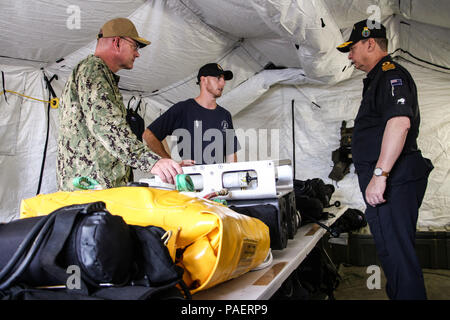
column 23, row 127
column 319, row 111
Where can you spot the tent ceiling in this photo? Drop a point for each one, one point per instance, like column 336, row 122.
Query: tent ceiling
column 231, row 16
column 38, row 30
column 186, row 34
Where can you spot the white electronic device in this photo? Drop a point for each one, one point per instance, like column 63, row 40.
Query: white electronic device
column 243, row 180
column 155, row 182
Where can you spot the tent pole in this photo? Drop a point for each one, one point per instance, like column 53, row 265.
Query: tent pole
column 293, row 135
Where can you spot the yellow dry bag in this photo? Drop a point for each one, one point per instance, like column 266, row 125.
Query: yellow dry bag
column 212, row 242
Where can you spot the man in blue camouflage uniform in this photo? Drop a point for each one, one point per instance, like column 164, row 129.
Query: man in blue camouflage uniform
column 95, row 140
column 391, row 171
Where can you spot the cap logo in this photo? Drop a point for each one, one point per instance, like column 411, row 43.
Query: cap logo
column 219, row 67
column 366, row 32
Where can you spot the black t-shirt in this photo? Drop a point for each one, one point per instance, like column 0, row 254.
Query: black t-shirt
column 204, row 135
column 389, row 91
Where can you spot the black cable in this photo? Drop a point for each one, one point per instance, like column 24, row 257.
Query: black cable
column 45, row 150
column 129, row 101
column 51, row 94
column 335, row 233
column 23, row 59
column 138, row 107
column 293, row 135
column 3, row 85
column 421, row 60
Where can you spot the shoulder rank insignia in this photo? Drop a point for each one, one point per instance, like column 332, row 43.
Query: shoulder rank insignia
column 387, row 65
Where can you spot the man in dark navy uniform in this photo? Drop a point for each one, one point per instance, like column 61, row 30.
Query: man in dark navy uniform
column 391, row 171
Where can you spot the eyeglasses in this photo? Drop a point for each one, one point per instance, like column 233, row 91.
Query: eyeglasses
column 135, row 46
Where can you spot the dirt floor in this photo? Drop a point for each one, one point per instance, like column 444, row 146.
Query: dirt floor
column 353, row 285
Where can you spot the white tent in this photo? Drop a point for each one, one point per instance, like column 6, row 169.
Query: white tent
column 285, row 65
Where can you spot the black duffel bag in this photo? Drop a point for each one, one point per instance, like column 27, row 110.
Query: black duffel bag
column 312, row 197
column 273, row 218
column 115, row 260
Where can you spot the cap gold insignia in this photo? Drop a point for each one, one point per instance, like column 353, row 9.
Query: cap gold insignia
column 387, row 66
column 366, row 32
column 219, row 67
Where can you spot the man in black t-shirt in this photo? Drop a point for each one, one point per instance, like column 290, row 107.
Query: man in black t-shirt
column 204, row 130
column 391, row 171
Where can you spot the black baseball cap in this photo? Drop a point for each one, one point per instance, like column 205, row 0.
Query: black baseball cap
column 213, row 70
column 364, row 29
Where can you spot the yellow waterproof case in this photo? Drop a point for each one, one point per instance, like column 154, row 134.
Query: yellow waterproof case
column 213, row 243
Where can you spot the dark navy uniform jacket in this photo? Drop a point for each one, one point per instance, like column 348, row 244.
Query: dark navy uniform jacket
column 389, row 91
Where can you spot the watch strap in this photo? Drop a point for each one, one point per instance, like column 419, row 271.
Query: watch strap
column 383, row 173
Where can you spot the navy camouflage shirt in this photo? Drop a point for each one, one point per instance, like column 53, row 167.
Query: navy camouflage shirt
column 95, row 139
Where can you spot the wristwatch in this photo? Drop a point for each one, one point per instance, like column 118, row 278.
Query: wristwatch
column 378, row 172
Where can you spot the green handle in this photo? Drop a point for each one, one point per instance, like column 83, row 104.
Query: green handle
column 184, row 182
column 84, row 183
